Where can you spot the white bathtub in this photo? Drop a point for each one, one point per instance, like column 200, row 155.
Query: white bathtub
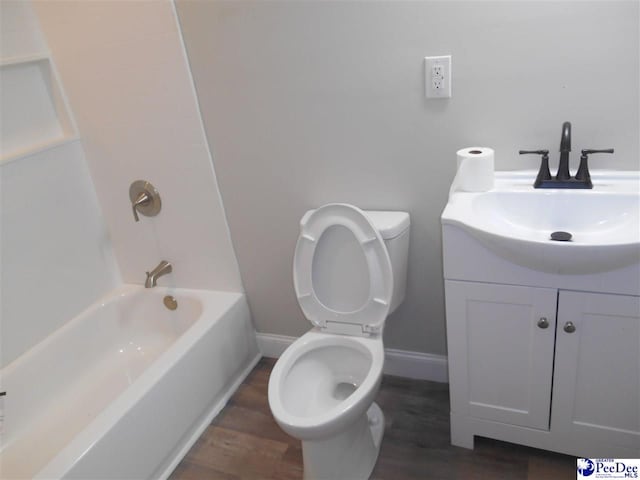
column 124, row 389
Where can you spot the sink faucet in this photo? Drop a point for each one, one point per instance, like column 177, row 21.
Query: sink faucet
column 563, row 177
column 565, row 148
column 163, row 268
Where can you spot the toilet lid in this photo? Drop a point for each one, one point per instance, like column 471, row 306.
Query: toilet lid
column 368, row 318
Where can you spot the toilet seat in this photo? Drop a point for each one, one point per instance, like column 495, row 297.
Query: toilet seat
column 370, row 317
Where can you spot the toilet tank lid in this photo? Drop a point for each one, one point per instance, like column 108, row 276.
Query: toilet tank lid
column 390, row 224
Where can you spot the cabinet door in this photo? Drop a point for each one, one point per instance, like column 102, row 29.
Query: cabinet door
column 596, row 390
column 500, row 347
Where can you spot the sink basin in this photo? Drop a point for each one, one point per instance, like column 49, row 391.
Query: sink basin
column 515, row 221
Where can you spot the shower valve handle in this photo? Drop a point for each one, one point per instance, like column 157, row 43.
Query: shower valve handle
column 145, row 199
column 142, row 201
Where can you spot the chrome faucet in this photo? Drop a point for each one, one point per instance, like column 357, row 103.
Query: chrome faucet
column 163, row 268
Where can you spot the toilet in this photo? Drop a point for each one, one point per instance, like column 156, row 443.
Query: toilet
column 349, row 274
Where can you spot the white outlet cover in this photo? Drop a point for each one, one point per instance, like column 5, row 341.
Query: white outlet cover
column 437, row 76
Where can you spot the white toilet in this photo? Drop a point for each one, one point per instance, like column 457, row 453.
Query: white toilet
column 349, row 273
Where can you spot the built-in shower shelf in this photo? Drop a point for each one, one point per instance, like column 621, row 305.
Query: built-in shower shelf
column 23, row 59
column 35, row 115
column 36, row 148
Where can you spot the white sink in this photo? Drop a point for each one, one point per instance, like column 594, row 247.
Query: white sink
column 515, row 221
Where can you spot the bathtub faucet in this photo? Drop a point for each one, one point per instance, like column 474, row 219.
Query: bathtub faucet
column 163, row 268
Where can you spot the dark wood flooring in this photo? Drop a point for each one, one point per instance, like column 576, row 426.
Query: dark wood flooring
column 244, row 441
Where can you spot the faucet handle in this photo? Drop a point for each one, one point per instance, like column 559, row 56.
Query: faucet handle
column 543, row 174
column 535, row 152
column 583, row 170
column 141, row 201
column 145, row 199
column 588, row 151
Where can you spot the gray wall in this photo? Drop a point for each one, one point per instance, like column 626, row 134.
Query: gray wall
column 312, row 102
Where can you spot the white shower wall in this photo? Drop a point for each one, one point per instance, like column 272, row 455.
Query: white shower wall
column 55, row 254
column 126, row 74
column 63, row 242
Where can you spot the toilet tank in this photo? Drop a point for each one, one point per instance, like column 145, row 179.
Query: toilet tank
column 394, row 229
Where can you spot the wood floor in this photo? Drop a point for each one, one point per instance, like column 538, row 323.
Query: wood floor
column 244, row 442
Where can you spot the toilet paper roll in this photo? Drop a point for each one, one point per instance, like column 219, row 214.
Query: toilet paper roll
column 475, row 170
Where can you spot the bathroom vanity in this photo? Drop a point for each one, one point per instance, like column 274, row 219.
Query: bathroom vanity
column 544, row 336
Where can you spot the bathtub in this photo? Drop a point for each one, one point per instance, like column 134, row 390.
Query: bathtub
column 124, row 389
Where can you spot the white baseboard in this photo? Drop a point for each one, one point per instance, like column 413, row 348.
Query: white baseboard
column 418, row 365
column 273, row 346
column 403, row 363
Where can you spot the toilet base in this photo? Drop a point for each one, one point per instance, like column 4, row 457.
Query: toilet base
column 350, row 454
column 376, row 424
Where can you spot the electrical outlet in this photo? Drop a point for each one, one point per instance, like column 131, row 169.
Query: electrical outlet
column 438, row 76
column 437, row 82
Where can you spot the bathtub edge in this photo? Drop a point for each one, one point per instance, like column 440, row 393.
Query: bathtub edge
column 206, row 419
column 70, row 463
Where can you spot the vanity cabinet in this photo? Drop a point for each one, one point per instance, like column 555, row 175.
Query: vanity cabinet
column 596, row 384
column 544, row 367
column 500, row 361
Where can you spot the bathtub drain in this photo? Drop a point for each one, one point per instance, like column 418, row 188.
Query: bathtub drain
column 170, row 302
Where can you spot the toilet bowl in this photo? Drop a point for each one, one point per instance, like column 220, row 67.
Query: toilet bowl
column 349, row 274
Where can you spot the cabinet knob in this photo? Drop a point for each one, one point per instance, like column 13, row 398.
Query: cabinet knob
column 569, row 327
column 543, row 322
